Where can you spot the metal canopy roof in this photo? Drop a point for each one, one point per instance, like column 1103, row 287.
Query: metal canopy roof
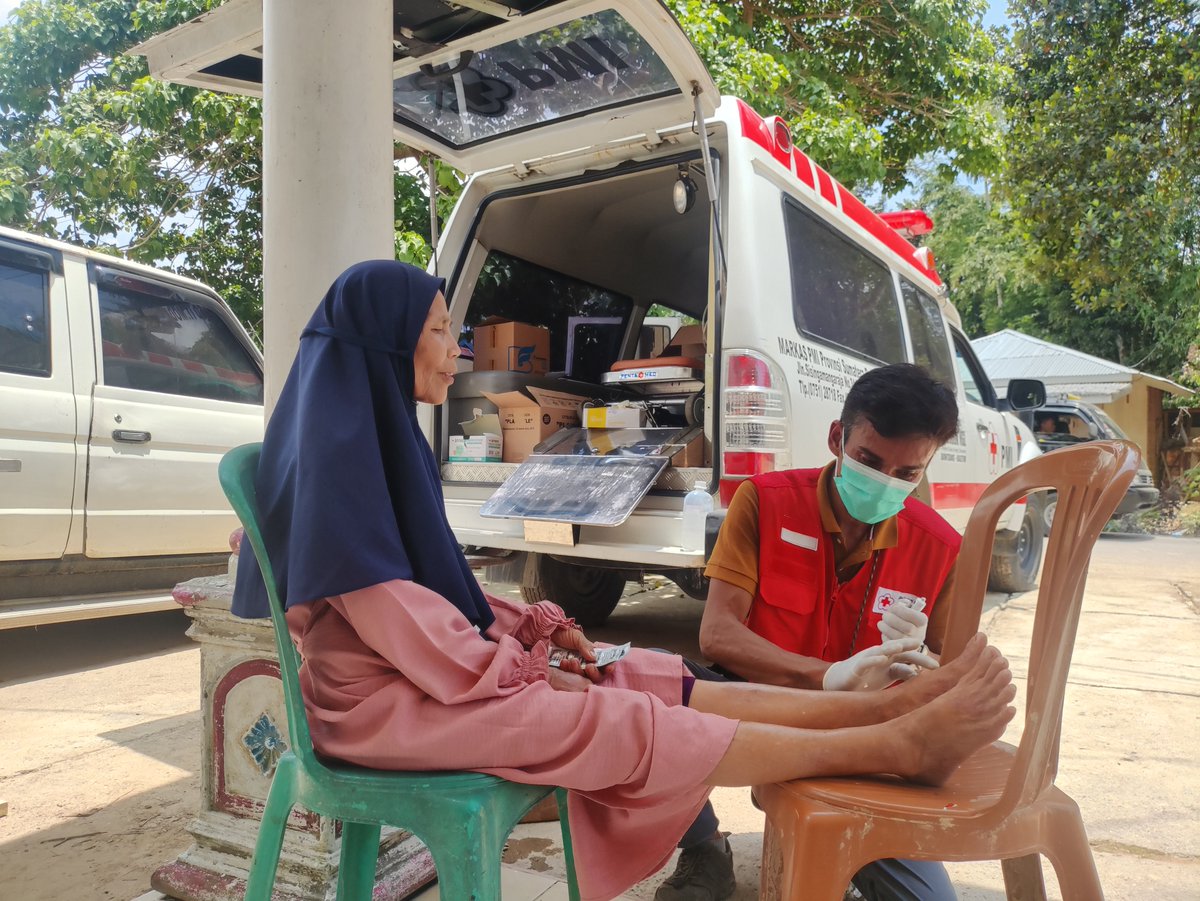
column 1009, row 354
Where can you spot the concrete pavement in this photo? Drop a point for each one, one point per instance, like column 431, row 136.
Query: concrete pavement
column 99, row 733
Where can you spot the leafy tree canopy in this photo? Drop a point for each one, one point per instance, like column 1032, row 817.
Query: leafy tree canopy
column 96, row 152
column 868, row 87
column 1103, row 172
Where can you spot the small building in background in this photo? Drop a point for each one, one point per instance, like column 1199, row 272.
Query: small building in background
column 1132, row 398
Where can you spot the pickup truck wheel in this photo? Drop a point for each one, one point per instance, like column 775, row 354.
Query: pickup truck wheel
column 1016, row 556
column 587, row 593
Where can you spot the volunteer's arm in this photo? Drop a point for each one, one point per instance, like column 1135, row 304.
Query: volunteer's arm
column 725, row 639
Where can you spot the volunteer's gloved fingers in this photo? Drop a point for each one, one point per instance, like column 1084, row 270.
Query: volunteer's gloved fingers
column 868, row 669
column 899, row 621
column 916, row 658
column 902, row 645
column 902, row 672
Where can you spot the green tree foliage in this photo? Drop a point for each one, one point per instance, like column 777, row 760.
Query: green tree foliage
column 1103, row 172
column 94, row 151
column 868, row 87
column 982, row 258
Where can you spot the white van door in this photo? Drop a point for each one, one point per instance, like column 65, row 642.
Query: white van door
column 179, row 385
column 984, row 448
column 486, row 89
column 38, row 416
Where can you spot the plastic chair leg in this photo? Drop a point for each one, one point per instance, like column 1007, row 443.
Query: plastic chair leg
column 560, row 795
column 280, row 800
column 1071, row 856
column 816, row 866
column 1023, row 878
column 356, row 866
column 466, row 871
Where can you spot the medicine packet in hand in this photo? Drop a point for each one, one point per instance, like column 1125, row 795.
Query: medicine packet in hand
column 604, row 656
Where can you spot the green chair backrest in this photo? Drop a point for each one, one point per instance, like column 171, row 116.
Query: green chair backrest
column 237, row 472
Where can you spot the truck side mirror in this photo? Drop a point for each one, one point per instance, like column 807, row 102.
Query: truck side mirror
column 1025, row 394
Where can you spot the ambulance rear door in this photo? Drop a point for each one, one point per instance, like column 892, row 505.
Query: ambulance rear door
column 485, row 85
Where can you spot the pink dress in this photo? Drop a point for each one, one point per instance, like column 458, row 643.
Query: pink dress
column 395, row 677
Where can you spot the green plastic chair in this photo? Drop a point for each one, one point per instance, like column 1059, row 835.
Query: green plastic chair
column 464, row 818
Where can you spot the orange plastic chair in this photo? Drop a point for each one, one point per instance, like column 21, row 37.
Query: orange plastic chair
column 1001, row 804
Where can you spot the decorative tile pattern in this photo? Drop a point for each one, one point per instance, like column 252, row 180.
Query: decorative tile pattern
column 265, row 744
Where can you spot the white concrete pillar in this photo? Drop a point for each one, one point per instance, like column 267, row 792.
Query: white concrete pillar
column 327, row 158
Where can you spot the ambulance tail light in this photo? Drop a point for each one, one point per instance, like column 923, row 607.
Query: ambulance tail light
column 754, row 420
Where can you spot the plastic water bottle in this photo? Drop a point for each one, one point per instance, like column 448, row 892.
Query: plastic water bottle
column 697, row 504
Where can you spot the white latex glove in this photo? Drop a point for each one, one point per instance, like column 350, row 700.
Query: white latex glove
column 874, row 668
column 903, row 622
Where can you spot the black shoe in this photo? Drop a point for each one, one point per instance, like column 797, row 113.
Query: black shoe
column 704, row 873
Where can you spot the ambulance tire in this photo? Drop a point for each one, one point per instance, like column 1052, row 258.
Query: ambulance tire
column 587, row 593
column 1017, row 556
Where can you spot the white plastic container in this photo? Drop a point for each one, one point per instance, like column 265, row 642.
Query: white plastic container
column 697, row 504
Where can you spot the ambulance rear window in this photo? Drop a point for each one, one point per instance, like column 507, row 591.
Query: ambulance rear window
column 841, row 294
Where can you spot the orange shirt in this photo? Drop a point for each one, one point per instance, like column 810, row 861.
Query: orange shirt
column 735, row 557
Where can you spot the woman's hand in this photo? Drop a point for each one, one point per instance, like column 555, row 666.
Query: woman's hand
column 561, row 680
column 574, row 640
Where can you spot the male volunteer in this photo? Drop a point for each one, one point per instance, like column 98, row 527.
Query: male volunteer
column 813, row 568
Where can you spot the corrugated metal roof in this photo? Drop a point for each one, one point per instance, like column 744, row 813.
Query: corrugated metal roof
column 1009, row 354
column 1012, row 355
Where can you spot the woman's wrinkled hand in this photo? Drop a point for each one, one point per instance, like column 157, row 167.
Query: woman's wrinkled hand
column 564, row 680
column 574, row 640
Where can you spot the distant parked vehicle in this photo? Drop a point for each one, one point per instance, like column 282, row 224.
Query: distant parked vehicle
column 120, row 388
column 1062, row 423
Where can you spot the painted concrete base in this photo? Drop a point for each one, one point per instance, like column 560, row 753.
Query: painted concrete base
column 245, row 732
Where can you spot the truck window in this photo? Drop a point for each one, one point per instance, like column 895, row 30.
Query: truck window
column 158, row 339
column 931, row 349
column 516, row 289
column 24, row 316
column 840, row 293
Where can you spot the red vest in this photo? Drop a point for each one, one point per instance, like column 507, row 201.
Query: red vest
column 799, row 604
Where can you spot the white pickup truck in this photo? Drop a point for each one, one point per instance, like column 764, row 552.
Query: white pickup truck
column 120, row 388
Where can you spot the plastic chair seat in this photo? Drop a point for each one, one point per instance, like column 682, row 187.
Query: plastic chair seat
column 973, row 788
column 464, row 818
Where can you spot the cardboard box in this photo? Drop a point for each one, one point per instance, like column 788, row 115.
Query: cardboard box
column 501, row 344
column 480, row 441
column 475, row 449
column 526, row 421
column 615, row 416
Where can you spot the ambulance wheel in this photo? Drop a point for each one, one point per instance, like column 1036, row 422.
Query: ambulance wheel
column 1048, row 511
column 691, row 582
column 1017, row 556
column 587, row 593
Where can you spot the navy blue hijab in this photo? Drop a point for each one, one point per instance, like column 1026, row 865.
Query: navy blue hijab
column 348, row 489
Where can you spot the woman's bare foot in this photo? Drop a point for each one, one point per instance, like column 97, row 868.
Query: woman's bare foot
column 930, row 684
column 972, row 713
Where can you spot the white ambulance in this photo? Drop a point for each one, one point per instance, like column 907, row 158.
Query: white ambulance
column 594, row 202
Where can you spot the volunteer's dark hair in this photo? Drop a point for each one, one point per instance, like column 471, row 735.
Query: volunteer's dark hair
column 902, row 400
